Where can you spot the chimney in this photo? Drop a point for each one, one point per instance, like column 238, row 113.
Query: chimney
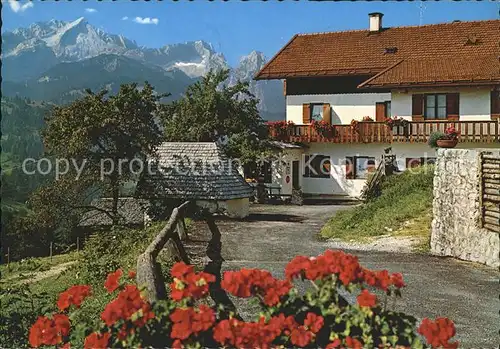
column 375, row 21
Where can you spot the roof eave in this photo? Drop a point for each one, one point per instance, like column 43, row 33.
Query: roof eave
column 449, row 83
column 314, row 74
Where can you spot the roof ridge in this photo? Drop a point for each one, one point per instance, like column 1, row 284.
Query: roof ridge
column 381, row 73
column 399, row 27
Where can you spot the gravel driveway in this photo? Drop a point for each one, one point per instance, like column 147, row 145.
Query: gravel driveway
column 465, row 292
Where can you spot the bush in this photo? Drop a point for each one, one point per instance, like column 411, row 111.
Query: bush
column 434, row 137
column 319, row 317
column 116, row 248
column 19, row 310
column 404, row 196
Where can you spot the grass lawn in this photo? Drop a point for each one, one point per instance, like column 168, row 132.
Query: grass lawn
column 22, row 269
column 404, row 206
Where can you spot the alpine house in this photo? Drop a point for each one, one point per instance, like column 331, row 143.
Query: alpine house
column 352, row 94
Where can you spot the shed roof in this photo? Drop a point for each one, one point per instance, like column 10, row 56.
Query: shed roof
column 192, row 171
column 130, row 210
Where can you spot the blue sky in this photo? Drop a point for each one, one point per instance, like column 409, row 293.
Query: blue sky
column 236, row 28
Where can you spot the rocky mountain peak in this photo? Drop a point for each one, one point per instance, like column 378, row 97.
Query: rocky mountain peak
column 30, row 53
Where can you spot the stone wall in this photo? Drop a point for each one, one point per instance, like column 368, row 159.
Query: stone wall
column 456, row 227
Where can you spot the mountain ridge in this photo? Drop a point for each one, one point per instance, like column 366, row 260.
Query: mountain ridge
column 31, row 54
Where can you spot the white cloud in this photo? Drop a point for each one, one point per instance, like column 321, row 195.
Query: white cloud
column 90, row 10
column 16, row 6
column 124, row 18
column 146, row 20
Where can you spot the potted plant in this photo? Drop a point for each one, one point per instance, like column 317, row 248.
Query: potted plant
column 448, row 139
column 323, row 128
column 280, row 129
column 355, row 125
column 395, row 123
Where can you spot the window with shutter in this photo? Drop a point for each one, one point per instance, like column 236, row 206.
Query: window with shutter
column 327, row 113
column 316, row 112
column 435, row 106
column 306, row 113
column 495, row 105
column 317, row 166
column 417, row 104
column 453, row 106
column 349, row 167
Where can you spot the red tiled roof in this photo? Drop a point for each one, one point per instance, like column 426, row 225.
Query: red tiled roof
column 361, row 52
column 449, row 70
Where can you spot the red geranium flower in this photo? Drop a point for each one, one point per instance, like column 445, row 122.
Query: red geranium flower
column 181, row 269
column 113, row 280
column 335, row 344
column 73, row 296
column 47, row 331
column 177, row 344
column 187, row 321
column 353, row 343
column 188, row 284
column 131, row 274
column 314, row 322
column 182, row 323
column 128, row 302
column 97, row 340
column 41, row 333
column 223, row 332
column 438, row 333
column 397, row 280
column 249, row 282
column 301, row 336
column 62, row 324
column 367, row 299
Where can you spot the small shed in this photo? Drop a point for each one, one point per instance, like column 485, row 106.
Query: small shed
column 199, row 172
column 132, row 213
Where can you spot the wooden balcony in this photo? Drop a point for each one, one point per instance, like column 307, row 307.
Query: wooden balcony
column 379, row 132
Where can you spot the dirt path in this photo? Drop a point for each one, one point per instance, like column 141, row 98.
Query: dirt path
column 36, row 276
column 272, row 235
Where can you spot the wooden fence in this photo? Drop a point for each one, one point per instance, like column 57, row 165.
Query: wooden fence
column 490, row 191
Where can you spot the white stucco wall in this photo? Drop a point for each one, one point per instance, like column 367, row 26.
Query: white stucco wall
column 337, row 184
column 474, row 103
column 345, row 107
column 280, row 171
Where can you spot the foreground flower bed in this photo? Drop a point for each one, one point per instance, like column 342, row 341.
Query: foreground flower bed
column 317, row 317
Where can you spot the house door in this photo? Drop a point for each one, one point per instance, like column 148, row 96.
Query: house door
column 380, row 111
column 295, row 174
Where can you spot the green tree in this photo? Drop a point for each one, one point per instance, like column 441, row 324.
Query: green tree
column 212, row 111
column 107, row 133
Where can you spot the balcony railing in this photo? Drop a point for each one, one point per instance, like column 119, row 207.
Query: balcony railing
column 380, row 132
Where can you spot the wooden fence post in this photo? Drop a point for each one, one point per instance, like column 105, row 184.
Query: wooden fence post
column 181, row 227
column 51, row 251
column 148, row 270
column 77, row 244
column 8, row 258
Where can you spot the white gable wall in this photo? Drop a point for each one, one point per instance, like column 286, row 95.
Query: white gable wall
column 345, row 107
column 474, row 103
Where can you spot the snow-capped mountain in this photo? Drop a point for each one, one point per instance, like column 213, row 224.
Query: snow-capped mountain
column 269, row 92
column 30, row 54
column 194, row 58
